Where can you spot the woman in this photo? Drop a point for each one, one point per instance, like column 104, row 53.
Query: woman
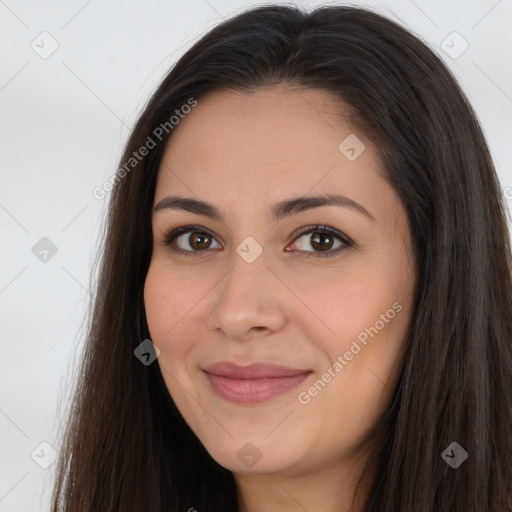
column 305, row 296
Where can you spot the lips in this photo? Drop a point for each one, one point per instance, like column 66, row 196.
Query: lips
column 253, row 383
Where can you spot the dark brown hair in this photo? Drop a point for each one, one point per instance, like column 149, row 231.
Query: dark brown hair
column 126, row 446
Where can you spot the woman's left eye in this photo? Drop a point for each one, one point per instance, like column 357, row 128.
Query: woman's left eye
column 324, row 240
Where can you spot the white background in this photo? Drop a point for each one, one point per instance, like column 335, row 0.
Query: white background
column 64, row 121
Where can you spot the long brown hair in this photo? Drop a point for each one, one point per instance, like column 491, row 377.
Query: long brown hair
column 126, row 446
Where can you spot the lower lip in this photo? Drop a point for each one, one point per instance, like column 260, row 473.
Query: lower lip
column 250, row 391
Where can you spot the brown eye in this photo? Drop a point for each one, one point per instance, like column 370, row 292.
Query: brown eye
column 194, row 241
column 322, row 241
column 318, row 241
column 199, row 241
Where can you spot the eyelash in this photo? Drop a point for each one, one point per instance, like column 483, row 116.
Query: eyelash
column 347, row 242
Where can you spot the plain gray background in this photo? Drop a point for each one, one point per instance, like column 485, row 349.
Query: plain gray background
column 65, row 118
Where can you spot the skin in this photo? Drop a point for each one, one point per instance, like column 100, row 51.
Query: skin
column 243, row 152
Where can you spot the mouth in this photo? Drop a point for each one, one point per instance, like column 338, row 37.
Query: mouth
column 254, row 383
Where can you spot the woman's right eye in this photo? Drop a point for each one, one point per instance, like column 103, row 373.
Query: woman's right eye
column 189, row 240
column 196, row 239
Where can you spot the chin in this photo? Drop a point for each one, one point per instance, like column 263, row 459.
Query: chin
column 253, row 461
column 255, row 455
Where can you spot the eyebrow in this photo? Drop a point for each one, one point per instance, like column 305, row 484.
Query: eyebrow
column 278, row 210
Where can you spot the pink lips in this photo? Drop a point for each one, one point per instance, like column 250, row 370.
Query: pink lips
column 253, row 383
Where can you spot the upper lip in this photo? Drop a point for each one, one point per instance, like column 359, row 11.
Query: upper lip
column 252, row 371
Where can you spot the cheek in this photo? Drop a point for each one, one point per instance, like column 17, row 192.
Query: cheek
column 360, row 363
column 172, row 302
column 167, row 302
column 345, row 303
column 362, row 317
column 159, row 303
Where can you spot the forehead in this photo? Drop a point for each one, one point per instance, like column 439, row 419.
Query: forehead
column 267, row 145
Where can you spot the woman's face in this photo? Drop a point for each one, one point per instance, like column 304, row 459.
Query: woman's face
column 270, row 273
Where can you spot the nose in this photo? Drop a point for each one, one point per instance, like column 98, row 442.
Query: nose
column 249, row 301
